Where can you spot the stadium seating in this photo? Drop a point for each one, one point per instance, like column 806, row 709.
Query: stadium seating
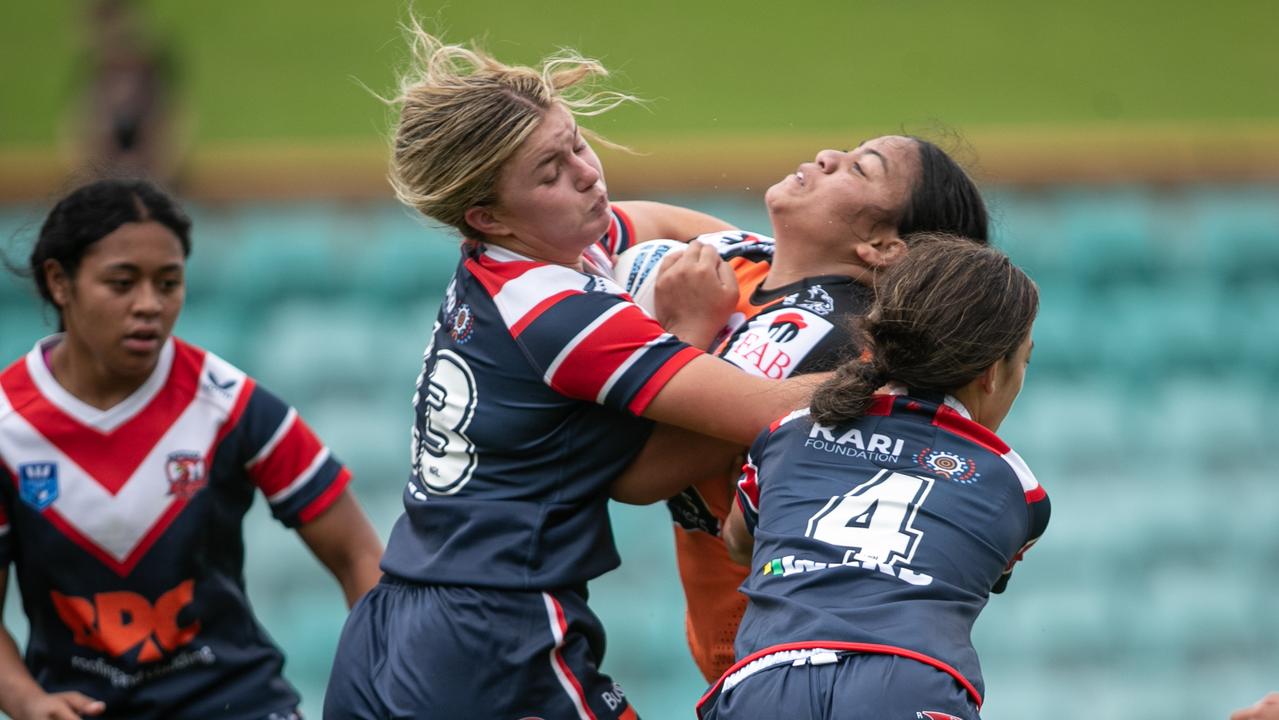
column 1148, row 414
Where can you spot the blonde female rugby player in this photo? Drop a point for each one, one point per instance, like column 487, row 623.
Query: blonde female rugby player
column 539, row 386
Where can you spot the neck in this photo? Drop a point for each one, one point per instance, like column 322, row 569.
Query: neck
column 794, row 261
column 87, row 378
column 539, row 253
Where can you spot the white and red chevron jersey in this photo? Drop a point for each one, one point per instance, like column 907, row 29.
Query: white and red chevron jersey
column 125, row 528
column 885, row 534
column 526, row 411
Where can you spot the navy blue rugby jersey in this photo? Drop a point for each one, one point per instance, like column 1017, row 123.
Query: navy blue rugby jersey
column 886, row 534
column 527, row 409
column 125, row 529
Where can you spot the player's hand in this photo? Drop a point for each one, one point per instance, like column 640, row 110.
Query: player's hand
column 696, row 291
column 1267, row 708
column 60, row 706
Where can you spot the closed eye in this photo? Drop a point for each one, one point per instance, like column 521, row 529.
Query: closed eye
column 858, row 167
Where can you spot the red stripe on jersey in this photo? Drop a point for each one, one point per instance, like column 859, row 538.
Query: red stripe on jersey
column 1035, row 495
column 233, row 418
column 538, row 309
column 640, row 402
column 109, row 458
column 562, row 622
column 592, row 361
column 621, row 228
column 293, row 454
column 121, row 568
column 847, row 647
column 749, row 484
column 881, row 405
column 951, row 421
column 4, row 517
column 317, row 506
column 493, row 274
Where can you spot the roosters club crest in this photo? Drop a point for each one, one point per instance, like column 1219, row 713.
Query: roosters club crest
column 185, row 471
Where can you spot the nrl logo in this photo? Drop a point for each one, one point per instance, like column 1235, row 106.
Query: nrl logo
column 185, row 471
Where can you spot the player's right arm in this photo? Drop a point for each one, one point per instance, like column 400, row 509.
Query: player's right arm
column 20, row 697
column 653, row 220
column 708, row 395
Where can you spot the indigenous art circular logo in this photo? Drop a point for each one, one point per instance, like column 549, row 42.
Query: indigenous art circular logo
column 461, row 324
column 948, row 465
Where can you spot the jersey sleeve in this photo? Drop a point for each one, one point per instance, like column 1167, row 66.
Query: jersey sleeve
column 748, row 483
column 1038, row 509
column 621, row 233
column 295, row 471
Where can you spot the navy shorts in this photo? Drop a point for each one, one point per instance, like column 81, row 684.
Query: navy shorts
column 848, row 686
column 432, row 651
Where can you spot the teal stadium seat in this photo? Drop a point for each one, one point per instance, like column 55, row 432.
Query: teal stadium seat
column 276, row 253
column 1109, row 234
column 402, row 258
column 1237, row 231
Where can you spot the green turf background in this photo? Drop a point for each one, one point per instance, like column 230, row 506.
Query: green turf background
column 291, row 70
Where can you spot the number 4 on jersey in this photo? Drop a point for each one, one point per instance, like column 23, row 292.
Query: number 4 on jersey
column 875, row 518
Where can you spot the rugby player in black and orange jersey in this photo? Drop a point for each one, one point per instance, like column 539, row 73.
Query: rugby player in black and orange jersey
column 837, row 221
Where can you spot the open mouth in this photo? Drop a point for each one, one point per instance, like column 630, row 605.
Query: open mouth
column 143, row 340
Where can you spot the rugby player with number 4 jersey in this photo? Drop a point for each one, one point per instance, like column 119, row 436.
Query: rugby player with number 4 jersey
column 876, row 526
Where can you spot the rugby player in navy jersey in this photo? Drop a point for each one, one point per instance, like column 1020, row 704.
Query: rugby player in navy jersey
column 537, row 389
column 877, row 525
column 128, row 459
column 837, row 221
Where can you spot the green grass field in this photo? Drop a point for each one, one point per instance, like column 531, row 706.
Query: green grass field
column 291, row 70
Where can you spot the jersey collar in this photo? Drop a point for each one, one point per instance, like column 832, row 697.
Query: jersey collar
column 103, row 420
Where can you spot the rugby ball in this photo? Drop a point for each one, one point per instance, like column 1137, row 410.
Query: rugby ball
column 636, row 270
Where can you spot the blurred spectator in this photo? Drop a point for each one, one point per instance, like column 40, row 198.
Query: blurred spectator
column 126, row 124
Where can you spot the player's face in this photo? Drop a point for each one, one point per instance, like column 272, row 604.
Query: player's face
column 1011, row 375
column 551, row 198
column 120, row 306
column 846, row 194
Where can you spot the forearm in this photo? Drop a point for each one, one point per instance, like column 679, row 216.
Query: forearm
column 713, row 397
column 653, row 220
column 17, row 687
column 671, row 460
column 344, row 542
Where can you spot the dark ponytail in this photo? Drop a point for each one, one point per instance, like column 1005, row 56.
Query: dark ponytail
column 942, row 316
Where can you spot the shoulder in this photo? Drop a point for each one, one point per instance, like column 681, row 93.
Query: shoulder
column 216, row 379
column 523, row 289
column 994, row 448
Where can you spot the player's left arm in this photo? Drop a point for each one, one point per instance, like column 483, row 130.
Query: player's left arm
column 343, row 540
column 653, row 220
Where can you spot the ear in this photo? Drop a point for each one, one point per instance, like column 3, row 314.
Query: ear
column 58, row 282
column 882, row 252
column 481, row 218
column 990, row 379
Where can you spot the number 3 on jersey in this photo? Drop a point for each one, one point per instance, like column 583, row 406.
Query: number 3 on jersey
column 443, row 456
column 874, row 518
